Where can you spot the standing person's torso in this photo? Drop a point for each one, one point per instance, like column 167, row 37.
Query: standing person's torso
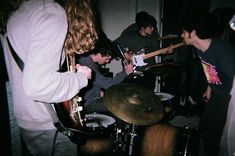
column 135, row 42
column 219, row 65
column 30, row 30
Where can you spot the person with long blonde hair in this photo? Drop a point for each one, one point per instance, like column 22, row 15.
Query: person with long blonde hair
column 42, row 33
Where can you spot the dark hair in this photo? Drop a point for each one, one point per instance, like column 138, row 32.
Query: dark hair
column 223, row 16
column 143, row 19
column 105, row 46
column 201, row 21
column 81, row 35
column 6, row 8
column 104, row 51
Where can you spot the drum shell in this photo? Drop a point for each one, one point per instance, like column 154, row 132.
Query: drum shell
column 167, row 140
column 97, row 146
column 169, row 108
column 159, row 140
column 168, row 102
column 99, row 140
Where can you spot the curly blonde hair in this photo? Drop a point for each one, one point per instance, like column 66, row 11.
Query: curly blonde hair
column 82, row 33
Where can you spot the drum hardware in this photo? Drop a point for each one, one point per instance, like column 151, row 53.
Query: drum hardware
column 136, row 74
column 126, row 139
column 134, row 104
column 189, row 142
column 89, row 120
column 164, row 69
column 133, row 136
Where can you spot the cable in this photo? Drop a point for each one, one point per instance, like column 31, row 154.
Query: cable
column 54, row 141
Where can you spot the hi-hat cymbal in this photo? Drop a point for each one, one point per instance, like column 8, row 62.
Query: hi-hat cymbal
column 164, row 69
column 134, row 104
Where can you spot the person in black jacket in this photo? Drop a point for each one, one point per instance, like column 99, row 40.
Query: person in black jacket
column 218, row 61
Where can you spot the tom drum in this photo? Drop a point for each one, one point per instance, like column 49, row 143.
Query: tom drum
column 100, row 128
column 167, row 100
column 166, row 140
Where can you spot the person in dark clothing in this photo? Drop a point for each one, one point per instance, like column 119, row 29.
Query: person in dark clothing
column 140, row 37
column 222, row 16
column 140, row 16
column 99, row 83
column 218, row 61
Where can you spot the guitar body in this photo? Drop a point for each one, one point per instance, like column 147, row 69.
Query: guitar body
column 62, row 110
column 69, row 113
column 138, row 60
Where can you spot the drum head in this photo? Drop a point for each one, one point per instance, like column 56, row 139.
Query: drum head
column 164, row 96
column 97, row 120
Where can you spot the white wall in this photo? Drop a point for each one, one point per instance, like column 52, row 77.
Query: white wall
column 116, row 15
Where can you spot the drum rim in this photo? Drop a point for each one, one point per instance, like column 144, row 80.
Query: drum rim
column 167, row 96
column 110, row 120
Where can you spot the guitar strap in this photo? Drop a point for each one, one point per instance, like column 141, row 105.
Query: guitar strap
column 18, row 60
column 57, row 123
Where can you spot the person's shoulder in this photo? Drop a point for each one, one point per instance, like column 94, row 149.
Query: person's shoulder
column 84, row 59
column 50, row 15
column 130, row 34
column 221, row 42
column 127, row 36
column 132, row 27
column 225, row 46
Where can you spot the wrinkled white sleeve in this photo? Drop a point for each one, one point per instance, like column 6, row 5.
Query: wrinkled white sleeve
column 41, row 81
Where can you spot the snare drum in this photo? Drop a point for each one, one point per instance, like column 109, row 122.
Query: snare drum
column 99, row 128
column 167, row 100
column 99, row 124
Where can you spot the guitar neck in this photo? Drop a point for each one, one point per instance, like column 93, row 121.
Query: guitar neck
column 163, row 50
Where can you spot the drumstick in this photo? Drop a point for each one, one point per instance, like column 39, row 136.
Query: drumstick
column 125, row 59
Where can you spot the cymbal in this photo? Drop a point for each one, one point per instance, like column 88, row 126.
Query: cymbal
column 164, row 69
column 134, row 104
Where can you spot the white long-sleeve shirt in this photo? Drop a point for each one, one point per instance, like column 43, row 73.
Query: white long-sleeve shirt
column 37, row 32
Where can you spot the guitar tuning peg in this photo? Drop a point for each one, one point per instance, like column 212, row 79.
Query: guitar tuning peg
column 78, row 99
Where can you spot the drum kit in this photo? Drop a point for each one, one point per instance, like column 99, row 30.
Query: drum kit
column 135, row 106
column 140, row 111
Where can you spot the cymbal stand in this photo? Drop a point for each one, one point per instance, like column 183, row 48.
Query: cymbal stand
column 133, row 137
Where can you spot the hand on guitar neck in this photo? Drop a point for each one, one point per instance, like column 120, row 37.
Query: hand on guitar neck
column 138, row 60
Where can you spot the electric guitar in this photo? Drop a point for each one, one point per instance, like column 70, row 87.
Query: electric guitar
column 69, row 112
column 138, row 60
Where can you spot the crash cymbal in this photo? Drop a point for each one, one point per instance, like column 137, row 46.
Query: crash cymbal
column 134, row 104
column 164, row 69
